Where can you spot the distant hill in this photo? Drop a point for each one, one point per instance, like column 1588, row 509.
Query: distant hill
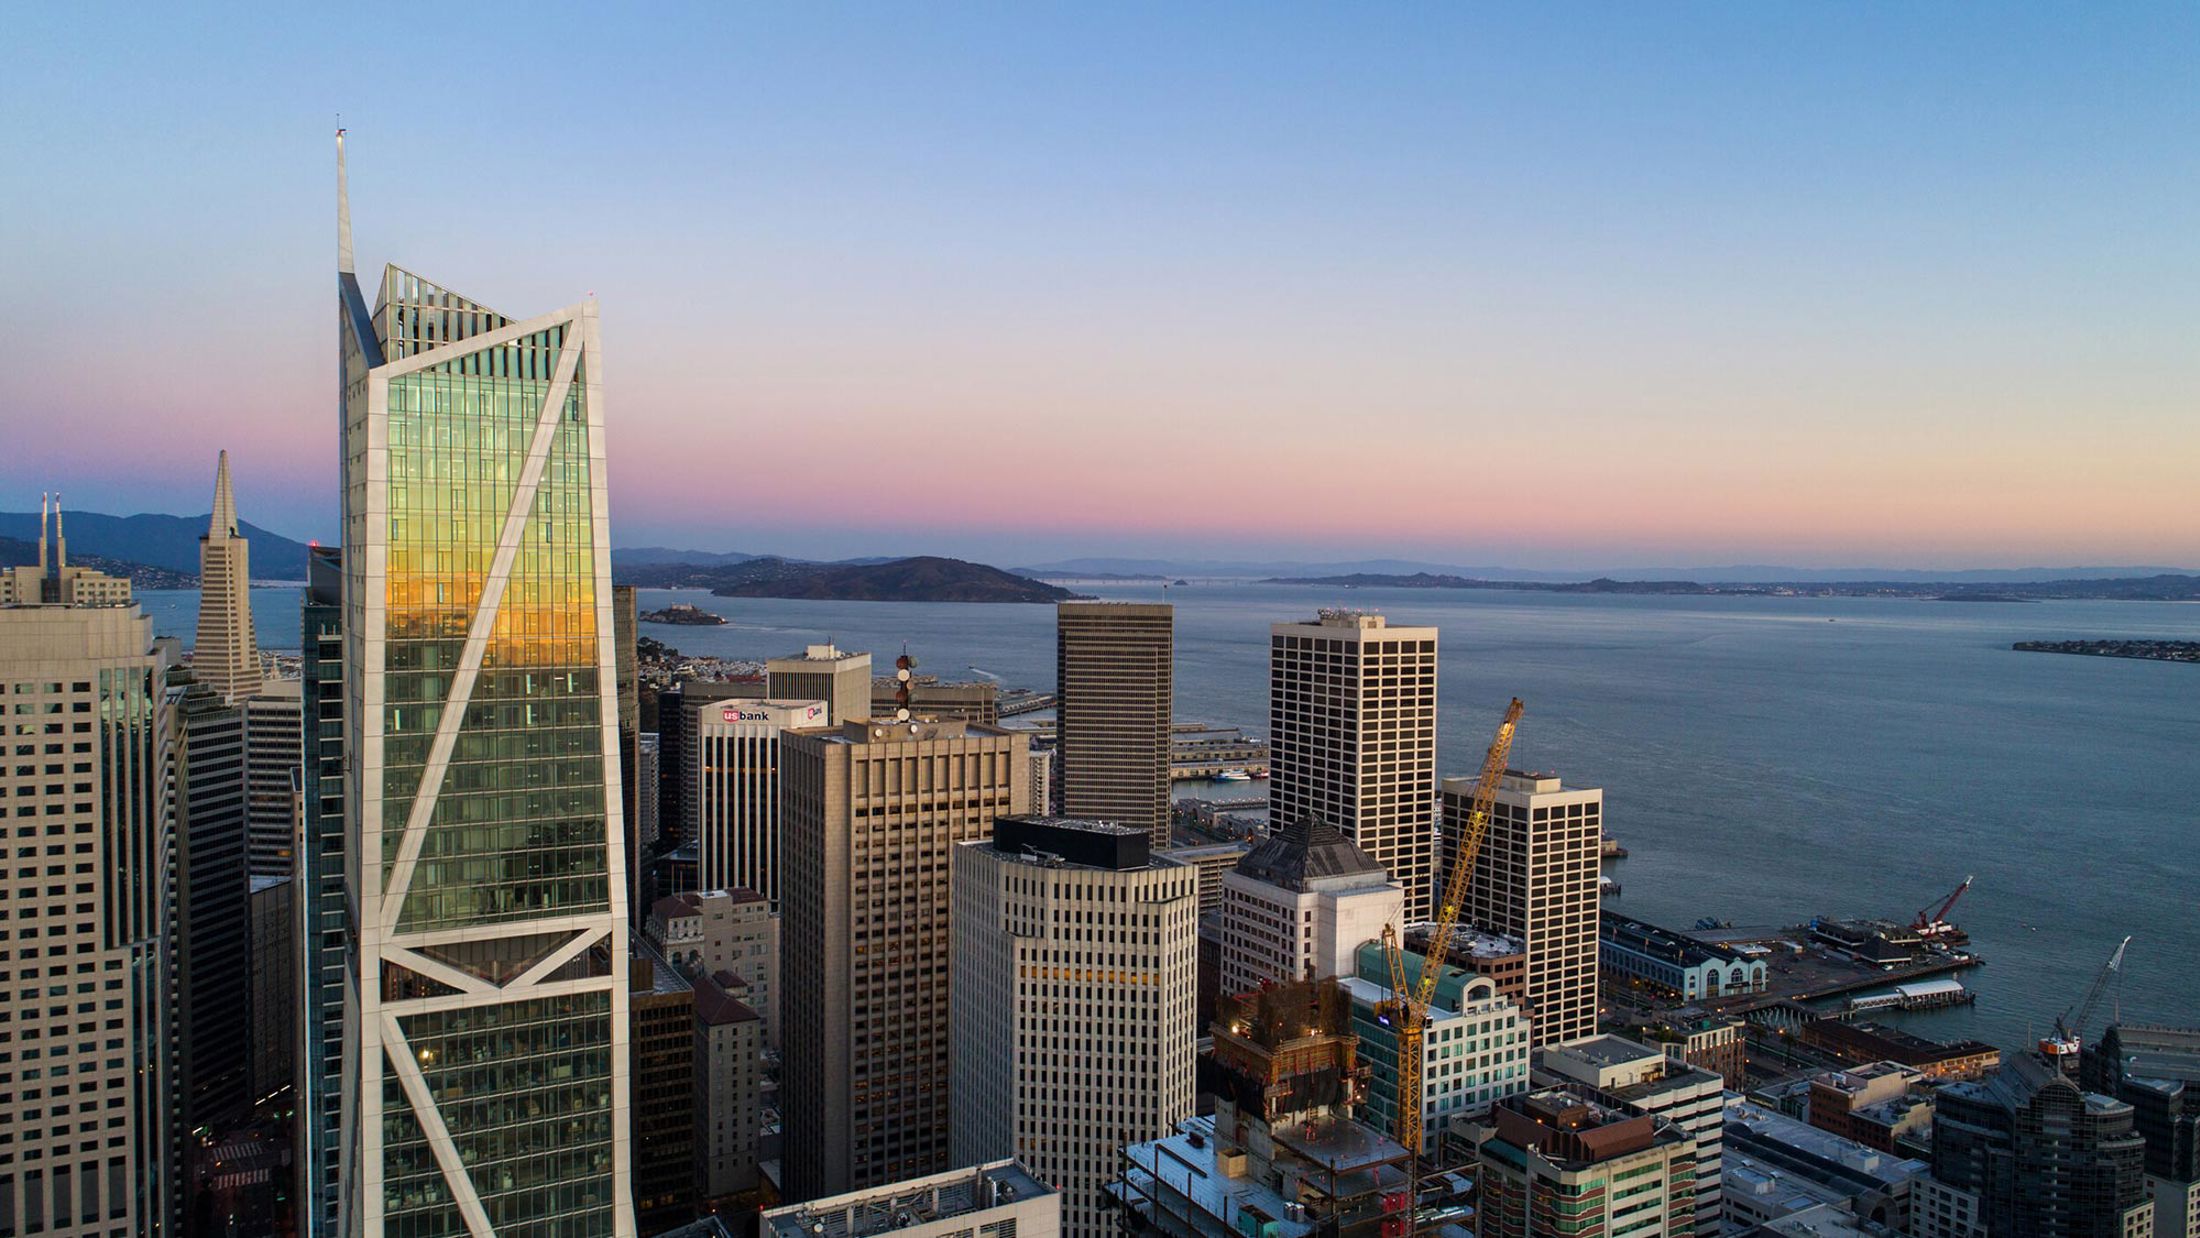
column 659, row 556
column 1741, row 573
column 2168, row 587
column 170, row 542
column 925, row 578
column 16, row 552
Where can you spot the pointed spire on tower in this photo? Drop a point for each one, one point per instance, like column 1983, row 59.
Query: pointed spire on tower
column 60, row 539
column 224, row 523
column 343, row 212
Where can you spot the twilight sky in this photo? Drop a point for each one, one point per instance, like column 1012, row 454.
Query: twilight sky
column 1614, row 285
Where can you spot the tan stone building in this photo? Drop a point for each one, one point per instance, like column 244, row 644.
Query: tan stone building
column 870, row 816
column 85, row 1081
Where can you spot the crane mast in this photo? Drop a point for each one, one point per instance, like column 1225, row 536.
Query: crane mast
column 1407, row 1007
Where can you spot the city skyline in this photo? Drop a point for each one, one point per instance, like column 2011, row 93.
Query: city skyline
column 1801, row 287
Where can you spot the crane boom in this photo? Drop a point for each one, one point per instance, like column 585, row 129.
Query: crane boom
column 1407, row 1008
column 1931, row 922
column 2062, row 1048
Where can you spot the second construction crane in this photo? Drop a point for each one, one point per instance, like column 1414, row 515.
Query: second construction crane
column 1407, row 1008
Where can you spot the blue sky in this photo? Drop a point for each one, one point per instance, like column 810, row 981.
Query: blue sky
column 1897, row 284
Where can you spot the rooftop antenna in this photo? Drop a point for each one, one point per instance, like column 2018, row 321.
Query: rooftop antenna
column 45, row 519
column 60, row 539
column 343, row 205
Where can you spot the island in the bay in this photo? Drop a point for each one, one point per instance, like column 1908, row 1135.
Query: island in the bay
column 684, row 614
column 2150, row 650
column 923, row 578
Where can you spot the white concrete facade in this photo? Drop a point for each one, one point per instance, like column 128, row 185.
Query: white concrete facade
column 1274, row 934
column 1352, row 738
column 1074, row 1015
column 1535, row 878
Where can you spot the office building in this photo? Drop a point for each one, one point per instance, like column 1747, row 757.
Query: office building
column 274, row 986
column 213, row 930
column 1863, row 1043
column 1637, row 1078
column 1352, row 739
column 929, row 698
column 823, row 673
column 273, row 735
column 224, row 655
column 997, row 1200
column 1114, row 667
column 1474, row 1048
column 1212, row 860
column 1039, row 770
column 870, row 815
column 1715, row 1043
column 2155, row 1070
column 85, row 1083
column 1773, row 1163
column 1535, row 879
column 728, row 936
column 1072, row 1001
column 1299, row 904
column 481, row 716
column 647, row 773
column 729, row 1082
column 51, row 581
column 665, row 1113
column 735, row 764
column 1849, row 1103
column 1551, row 1164
column 677, row 755
column 2028, row 1153
column 319, row 893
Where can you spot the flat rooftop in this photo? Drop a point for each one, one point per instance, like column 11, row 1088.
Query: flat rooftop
column 1604, row 1051
column 905, row 1205
column 1183, row 1165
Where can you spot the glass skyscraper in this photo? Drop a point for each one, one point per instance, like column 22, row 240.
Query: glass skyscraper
column 486, row 1084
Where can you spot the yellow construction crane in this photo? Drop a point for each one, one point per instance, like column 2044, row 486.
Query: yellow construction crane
column 1407, row 1008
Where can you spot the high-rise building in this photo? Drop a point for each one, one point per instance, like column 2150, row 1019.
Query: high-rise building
column 1072, row 999
column 1535, row 879
column 823, row 673
column 2028, row 1153
column 323, row 921
column 626, row 663
column 224, row 655
column 1637, row 1078
column 647, row 773
column 213, row 931
column 678, row 754
column 481, row 778
column 1352, row 739
column 870, row 815
column 1552, row 1164
column 93, row 1143
column 736, row 792
column 1298, row 905
column 729, row 1091
column 273, row 721
column 661, row 1003
column 1115, row 666
column 274, row 986
column 1474, row 1048
column 2155, row 1070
